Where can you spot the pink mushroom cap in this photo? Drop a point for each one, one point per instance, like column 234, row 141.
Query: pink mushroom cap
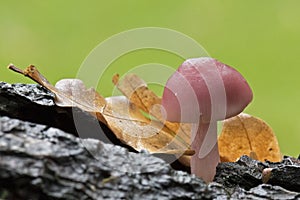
column 205, row 87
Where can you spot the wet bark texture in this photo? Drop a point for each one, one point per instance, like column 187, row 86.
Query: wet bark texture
column 42, row 157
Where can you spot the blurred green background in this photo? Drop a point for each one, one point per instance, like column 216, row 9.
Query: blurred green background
column 259, row 38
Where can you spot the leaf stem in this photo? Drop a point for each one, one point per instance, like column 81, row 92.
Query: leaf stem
column 15, row 69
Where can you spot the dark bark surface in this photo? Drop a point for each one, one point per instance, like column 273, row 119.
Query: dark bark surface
column 39, row 162
column 34, row 103
column 248, row 173
column 42, row 162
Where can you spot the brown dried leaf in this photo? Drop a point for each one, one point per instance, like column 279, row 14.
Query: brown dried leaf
column 136, row 90
column 68, row 92
column 130, row 126
column 248, row 135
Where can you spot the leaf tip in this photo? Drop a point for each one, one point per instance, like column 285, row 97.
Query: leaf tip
column 10, row 66
column 115, row 79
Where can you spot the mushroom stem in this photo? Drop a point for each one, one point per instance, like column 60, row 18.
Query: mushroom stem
column 206, row 157
column 207, row 90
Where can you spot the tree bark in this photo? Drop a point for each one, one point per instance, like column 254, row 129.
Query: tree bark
column 38, row 161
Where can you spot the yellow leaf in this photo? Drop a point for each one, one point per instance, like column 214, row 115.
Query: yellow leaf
column 136, row 90
column 134, row 129
column 248, row 135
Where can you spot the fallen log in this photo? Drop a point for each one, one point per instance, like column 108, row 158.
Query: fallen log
column 39, row 161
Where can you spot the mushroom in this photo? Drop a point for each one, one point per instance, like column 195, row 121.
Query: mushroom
column 203, row 91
